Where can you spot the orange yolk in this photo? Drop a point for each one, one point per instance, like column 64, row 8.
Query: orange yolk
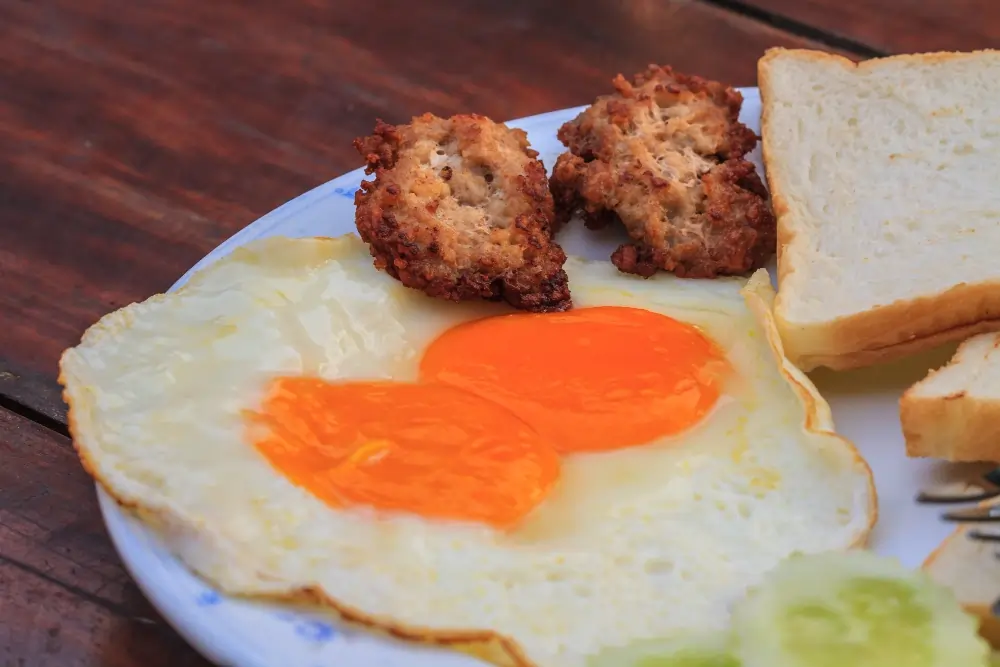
column 479, row 438
column 587, row 380
column 431, row 450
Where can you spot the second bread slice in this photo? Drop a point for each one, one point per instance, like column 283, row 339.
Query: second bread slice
column 885, row 178
column 954, row 413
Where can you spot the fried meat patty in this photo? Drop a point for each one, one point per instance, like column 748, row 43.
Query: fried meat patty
column 663, row 155
column 460, row 208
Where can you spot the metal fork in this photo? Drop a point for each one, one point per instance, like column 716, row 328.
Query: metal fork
column 982, row 488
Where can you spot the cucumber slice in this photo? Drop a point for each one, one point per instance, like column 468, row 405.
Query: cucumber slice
column 695, row 650
column 857, row 609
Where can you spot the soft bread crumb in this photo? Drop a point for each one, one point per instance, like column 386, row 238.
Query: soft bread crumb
column 954, row 413
column 882, row 178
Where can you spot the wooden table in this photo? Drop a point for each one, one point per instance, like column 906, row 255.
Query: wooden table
column 136, row 136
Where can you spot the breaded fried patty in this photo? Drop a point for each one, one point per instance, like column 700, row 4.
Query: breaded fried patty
column 663, row 156
column 460, row 208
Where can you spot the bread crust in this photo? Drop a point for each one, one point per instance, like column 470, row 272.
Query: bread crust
column 959, row 560
column 888, row 332
column 957, row 427
column 892, row 332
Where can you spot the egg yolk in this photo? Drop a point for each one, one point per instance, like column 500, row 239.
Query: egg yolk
column 589, row 379
column 478, row 438
column 432, row 450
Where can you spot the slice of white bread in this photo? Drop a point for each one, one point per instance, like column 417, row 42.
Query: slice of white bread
column 885, row 177
column 954, row 413
column 971, row 569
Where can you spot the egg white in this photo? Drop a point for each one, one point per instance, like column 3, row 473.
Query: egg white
column 632, row 543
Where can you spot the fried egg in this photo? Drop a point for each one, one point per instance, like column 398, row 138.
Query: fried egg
column 527, row 488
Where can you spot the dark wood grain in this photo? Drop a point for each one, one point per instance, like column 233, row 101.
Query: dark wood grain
column 65, row 599
column 44, row 625
column 135, row 137
column 34, row 389
column 897, row 26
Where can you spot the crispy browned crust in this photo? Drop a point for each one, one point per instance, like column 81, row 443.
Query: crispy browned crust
column 460, row 208
column 663, row 155
column 759, row 296
column 488, row 645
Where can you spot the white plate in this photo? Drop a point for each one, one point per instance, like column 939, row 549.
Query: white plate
column 242, row 634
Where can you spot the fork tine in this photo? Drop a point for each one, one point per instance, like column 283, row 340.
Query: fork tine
column 984, row 537
column 984, row 487
column 930, row 497
column 974, row 514
column 993, row 477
